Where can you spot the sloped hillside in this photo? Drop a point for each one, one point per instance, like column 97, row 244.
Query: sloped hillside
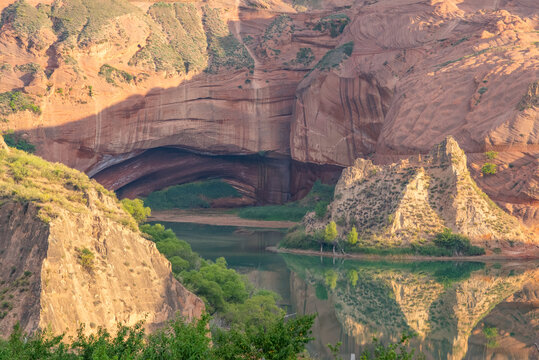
column 72, row 255
column 415, row 199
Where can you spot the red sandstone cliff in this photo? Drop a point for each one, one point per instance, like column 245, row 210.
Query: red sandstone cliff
column 275, row 117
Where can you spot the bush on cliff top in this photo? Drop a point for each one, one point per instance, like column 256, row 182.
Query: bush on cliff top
column 53, row 187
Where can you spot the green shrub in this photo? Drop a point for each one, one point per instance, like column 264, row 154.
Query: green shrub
column 335, row 57
column 482, row 90
column 112, row 75
column 15, row 101
column 491, row 155
column 335, row 23
column 321, row 209
column 289, row 212
column 491, row 333
column 305, row 56
column 225, row 51
column 457, row 244
column 489, row 169
column 136, row 209
column 86, row 259
column 352, row 236
column 14, row 141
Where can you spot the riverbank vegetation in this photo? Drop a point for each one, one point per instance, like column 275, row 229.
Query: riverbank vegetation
column 317, row 200
column 228, row 296
column 444, row 244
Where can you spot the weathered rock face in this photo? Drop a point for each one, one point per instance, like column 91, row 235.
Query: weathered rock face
column 418, row 71
column 417, row 198
column 72, row 258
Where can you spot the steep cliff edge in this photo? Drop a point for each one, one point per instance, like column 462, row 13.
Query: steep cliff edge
column 70, row 255
column 411, row 201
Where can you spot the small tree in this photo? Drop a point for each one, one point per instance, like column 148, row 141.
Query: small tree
column 136, row 209
column 352, row 236
column 330, row 234
column 489, row 169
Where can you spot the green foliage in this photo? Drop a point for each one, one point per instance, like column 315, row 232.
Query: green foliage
column 335, row 23
column 217, row 285
column 489, row 169
column 482, row 90
column 184, row 48
column 317, row 200
column 27, row 21
column 288, row 212
column 400, row 351
column 225, row 51
column 335, row 57
column 178, row 340
column 53, row 187
column 352, row 236
column 491, row 155
column 189, row 196
column 136, row 209
column 113, row 75
column 86, row 258
column 457, row 244
column 15, row 101
column 225, row 292
column 321, row 209
column 280, row 340
column 178, row 251
column 305, row 56
column 491, row 333
column 330, row 232
column 83, row 22
column 15, row 141
column 276, row 27
column 28, row 68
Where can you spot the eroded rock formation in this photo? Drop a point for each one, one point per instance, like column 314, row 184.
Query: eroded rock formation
column 415, row 199
column 70, row 256
column 321, row 84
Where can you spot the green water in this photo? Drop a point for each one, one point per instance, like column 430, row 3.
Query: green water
column 458, row 310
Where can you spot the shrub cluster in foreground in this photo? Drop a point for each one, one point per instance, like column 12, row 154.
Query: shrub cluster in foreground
column 178, row 340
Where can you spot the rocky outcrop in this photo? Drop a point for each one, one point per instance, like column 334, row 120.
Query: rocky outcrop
column 72, row 255
column 321, row 83
column 414, row 199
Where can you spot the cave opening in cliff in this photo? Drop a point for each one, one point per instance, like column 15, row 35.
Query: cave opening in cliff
column 261, row 178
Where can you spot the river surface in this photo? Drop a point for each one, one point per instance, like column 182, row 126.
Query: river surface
column 470, row 310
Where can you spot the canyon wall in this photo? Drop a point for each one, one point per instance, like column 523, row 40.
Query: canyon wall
column 305, row 86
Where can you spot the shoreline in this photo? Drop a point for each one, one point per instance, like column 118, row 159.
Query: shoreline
column 217, row 217
column 360, row 256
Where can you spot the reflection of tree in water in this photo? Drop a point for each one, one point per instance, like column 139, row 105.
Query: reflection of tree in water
column 441, row 302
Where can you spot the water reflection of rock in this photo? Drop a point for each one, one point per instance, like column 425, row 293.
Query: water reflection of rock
column 516, row 321
column 446, row 304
